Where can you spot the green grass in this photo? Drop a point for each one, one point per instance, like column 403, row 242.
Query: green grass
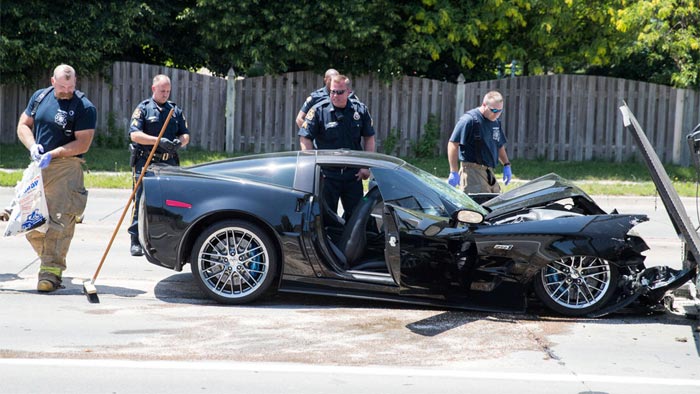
column 14, row 158
column 595, row 177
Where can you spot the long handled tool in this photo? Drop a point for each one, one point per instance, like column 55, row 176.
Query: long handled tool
column 89, row 285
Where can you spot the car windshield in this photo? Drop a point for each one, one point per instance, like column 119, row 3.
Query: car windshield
column 415, row 189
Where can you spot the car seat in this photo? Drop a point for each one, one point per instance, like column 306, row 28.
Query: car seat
column 353, row 240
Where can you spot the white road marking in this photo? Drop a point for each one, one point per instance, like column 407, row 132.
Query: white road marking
column 325, row 369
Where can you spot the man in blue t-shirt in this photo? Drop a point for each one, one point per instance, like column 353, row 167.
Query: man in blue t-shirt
column 57, row 127
column 338, row 123
column 478, row 142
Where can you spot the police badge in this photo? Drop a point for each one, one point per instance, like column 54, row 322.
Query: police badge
column 356, row 116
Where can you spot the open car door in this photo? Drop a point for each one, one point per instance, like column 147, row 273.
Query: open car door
column 416, row 207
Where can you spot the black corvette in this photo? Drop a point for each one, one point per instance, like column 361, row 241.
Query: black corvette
column 256, row 224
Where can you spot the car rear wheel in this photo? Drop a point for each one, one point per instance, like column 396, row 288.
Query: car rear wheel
column 233, row 261
column 576, row 285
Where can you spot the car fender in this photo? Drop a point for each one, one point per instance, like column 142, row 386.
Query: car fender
column 532, row 245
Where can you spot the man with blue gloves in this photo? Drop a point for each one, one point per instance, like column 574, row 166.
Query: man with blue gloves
column 478, row 143
column 57, row 127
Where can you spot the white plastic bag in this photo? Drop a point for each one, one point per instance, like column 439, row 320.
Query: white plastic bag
column 29, row 209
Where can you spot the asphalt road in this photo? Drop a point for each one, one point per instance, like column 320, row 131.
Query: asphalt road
column 153, row 331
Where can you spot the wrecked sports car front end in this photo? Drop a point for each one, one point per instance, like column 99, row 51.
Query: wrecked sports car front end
column 552, row 197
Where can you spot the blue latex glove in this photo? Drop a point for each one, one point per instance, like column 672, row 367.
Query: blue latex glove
column 45, row 160
column 35, row 152
column 453, row 179
column 507, row 174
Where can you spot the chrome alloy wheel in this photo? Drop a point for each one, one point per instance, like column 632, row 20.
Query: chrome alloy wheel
column 233, row 262
column 577, row 282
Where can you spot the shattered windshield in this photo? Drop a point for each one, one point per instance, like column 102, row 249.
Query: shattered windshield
column 412, row 188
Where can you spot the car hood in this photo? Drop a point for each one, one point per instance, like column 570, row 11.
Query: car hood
column 538, row 192
column 665, row 279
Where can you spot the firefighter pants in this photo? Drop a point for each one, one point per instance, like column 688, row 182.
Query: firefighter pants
column 66, row 198
column 476, row 178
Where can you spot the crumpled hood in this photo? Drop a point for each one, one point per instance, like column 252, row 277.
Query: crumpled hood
column 538, row 192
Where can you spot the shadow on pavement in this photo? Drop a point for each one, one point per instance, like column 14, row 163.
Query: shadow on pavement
column 440, row 323
column 72, row 287
column 9, row 277
column 181, row 289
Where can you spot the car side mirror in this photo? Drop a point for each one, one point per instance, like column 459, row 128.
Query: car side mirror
column 469, row 217
column 463, row 216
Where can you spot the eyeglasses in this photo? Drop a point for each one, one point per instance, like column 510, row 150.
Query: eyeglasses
column 495, row 110
column 338, row 92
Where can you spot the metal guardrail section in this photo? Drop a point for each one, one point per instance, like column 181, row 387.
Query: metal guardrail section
column 674, row 207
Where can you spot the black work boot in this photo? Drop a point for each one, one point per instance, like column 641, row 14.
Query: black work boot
column 136, row 249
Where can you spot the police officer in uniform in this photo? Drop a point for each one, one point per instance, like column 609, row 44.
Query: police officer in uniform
column 146, row 122
column 57, row 127
column 318, row 95
column 337, row 123
column 478, row 142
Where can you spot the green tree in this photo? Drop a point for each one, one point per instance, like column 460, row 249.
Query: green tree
column 563, row 36
column 437, row 38
column 665, row 33
column 165, row 33
column 258, row 37
column 651, row 40
column 35, row 36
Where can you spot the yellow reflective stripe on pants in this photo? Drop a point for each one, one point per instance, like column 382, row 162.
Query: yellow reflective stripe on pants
column 51, row 270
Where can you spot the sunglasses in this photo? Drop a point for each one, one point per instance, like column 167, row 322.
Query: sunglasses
column 338, row 92
column 494, row 110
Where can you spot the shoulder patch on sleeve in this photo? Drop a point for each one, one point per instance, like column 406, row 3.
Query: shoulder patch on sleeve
column 310, row 114
column 308, row 99
column 136, row 114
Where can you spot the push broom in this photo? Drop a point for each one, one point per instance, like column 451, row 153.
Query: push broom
column 89, row 285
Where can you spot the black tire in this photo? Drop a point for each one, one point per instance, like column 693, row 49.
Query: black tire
column 234, row 261
column 576, row 285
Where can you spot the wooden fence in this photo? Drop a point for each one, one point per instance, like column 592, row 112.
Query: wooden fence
column 576, row 117
column 117, row 93
column 553, row 117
